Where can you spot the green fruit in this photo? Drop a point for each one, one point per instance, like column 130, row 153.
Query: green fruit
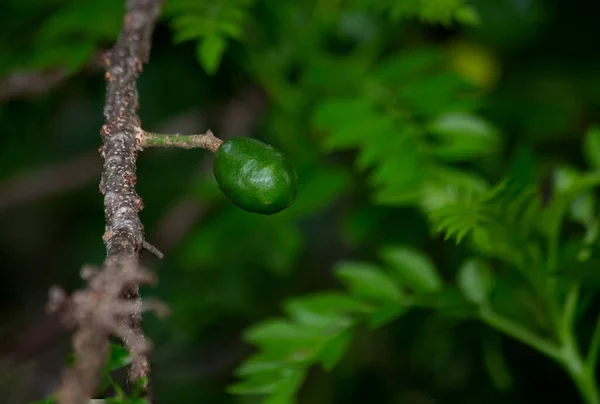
column 255, row 176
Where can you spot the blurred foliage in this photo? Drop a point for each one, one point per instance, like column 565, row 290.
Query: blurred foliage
column 447, row 156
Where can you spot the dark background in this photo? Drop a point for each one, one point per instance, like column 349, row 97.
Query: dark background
column 536, row 64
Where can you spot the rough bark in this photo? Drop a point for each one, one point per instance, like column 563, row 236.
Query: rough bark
column 111, row 304
column 124, row 235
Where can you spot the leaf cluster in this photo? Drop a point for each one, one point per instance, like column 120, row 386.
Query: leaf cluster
column 59, row 33
column 210, row 23
column 318, row 329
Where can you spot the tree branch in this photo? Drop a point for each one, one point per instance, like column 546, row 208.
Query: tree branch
column 111, row 303
column 124, row 235
column 22, row 84
column 27, row 83
column 48, row 180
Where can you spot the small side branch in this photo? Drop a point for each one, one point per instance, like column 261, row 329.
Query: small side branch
column 99, row 311
column 205, row 141
column 521, row 334
column 22, row 84
column 153, row 250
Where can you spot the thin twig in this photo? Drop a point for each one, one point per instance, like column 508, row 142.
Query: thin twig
column 27, row 83
column 205, row 141
column 22, row 84
column 238, row 118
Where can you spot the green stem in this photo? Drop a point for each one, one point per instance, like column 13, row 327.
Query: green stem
column 581, row 373
column 594, row 348
column 568, row 314
column 567, row 354
column 520, row 333
column 552, row 264
column 205, row 141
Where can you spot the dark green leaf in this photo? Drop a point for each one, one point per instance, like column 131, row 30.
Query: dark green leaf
column 414, row 268
column 461, row 136
column 591, row 147
column 369, row 281
column 119, row 357
column 335, row 349
column 287, row 387
column 49, row 400
column 385, row 314
column 291, row 342
column 328, row 308
column 210, row 52
column 495, row 362
column 467, row 15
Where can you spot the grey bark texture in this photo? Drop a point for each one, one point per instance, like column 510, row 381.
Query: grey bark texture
column 111, row 304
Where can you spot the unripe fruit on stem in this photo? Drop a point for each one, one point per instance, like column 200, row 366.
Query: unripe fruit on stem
column 255, row 176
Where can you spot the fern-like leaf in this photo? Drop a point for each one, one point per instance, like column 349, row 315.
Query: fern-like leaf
column 319, row 328
column 409, row 121
column 443, row 12
column 210, row 23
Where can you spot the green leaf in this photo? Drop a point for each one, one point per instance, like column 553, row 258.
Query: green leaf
column 458, row 208
column 461, row 136
column 316, row 189
column 125, row 400
column 49, row 400
column 288, row 386
column 585, row 271
column 335, row 349
column 280, row 389
column 138, row 388
column 414, row 268
column 582, row 208
column 399, row 69
column 290, row 342
column 325, row 308
column 210, row 51
column 495, row 362
column 475, row 280
column 449, row 300
column 566, row 179
column 254, row 386
column 305, row 316
column 467, row 15
column 583, row 211
column 259, row 364
column 385, row 314
column 369, row 281
column 119, row 357
column 70, row 359
column 332, row 116
column 279, row 330
column 591, row 147
column 200, row 20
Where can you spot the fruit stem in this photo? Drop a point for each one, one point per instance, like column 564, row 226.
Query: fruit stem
column 205, row 141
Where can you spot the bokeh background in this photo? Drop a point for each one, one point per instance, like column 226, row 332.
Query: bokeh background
column 531, row 68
